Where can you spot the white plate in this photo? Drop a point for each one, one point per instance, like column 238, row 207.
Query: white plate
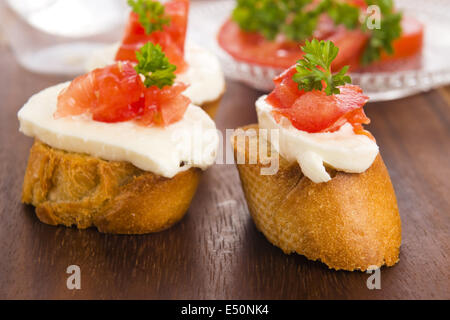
column 206, row 17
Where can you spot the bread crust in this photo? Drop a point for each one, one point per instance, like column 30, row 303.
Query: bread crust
column 350, row 223
column 211, row 107
column 75, row 189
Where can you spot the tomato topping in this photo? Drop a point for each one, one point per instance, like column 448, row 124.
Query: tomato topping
column 253, row 48
column 286, row 90
column 171, row 38
column 118, row 88
column 70, row 104
column 116, row 93
column 164, row 106
column 314, row 111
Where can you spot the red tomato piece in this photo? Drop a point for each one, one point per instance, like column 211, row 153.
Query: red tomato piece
column 286, row 90
column 171, row 38
column 178, row 11
column 314, row 111
column 111, row 94
column 410, row 42
column 119, row 90
column 164, row 106
column 78, row 97
column 116, row 93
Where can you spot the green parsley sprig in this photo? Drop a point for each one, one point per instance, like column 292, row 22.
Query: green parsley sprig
column 269, row 17
column 154, row 66
column 151, row 14
column 342, row 13
column 301, row 22
column 314, row 68
column 263, row 16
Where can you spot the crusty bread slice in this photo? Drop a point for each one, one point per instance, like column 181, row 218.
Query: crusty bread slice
column 351, row 222
column 116, row 197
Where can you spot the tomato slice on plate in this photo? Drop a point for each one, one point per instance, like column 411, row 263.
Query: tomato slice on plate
column 410, row 42
column 251, row 47
column 171, row 38
column 351, row 44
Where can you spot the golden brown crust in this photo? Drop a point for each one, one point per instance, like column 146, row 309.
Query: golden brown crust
column 351, row 222
column 211, row 107
column 75, row 189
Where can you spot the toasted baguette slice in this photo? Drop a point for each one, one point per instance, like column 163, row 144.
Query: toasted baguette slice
column 351, row 222
column 116, row 197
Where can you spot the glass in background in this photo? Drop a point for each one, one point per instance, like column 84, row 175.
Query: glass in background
column 57, row 36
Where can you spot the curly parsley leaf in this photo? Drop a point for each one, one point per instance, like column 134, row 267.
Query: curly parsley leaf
column 154, row 66
column 263, row 16
column 314, row 69
column 295, row 19
column 151, row 14
column 343, row 13
column 302, row 25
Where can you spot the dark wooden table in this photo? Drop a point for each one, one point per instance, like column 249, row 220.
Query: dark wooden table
column 215, row 252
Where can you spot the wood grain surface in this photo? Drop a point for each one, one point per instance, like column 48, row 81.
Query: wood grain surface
column 215, row 252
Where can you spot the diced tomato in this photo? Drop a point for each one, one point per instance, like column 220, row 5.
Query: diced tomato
column 110, row 94
column 164, row 106
column 357, row 118
column 116, row 93
column 119, row 89
column 77, row 98
column 171, row 38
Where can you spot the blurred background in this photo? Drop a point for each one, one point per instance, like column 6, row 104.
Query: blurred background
column 56, row 36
